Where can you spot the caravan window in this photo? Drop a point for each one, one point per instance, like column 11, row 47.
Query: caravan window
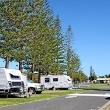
column 47, row 79
column 55, row 79
column 17, row 84
column 14, row 76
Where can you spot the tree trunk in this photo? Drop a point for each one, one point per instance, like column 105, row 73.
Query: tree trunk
column 7, row 62
column 20, row 65
column 47, row 73
column 39, row 70
column 39, row 74
column 32, row 71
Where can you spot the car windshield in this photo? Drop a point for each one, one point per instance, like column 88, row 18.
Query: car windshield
column 30, row 81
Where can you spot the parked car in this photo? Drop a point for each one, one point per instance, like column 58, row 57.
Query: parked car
column 35, row 87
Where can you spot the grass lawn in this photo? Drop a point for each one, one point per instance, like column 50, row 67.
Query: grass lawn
column 45, row 95
column 99, row 86
column 48, row 94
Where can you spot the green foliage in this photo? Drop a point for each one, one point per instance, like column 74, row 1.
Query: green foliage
column 59, row 56
column 72, row 60
column 32, row 36
column 107, row 76
column 92, row 74
column 8, row 31
column 79, row 76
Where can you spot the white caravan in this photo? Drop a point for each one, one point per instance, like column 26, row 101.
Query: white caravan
column 12, row 82
column 56, row 82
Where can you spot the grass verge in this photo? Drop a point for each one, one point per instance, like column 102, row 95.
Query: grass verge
column 100, row 86
column 45, row 95
column 49, row 94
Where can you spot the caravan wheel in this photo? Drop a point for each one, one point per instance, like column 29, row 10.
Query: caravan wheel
column 31, row 90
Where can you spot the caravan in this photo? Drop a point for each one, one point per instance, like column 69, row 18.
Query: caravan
column 12, row 82
column 56, row 82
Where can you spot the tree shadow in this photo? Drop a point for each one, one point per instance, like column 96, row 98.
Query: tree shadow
column 10, row 96
column 107, row 98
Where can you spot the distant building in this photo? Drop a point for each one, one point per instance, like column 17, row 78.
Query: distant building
column 103, row 80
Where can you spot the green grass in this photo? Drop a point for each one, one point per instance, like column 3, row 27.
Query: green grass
column 45, row 95
column 49, row 94
column 102, row 86
column 99, row 86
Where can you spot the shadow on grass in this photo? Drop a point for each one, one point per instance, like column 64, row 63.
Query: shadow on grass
column 98, row 89
column 107, row 98
column 106, row 89
column 91, row 89
column 10, row 96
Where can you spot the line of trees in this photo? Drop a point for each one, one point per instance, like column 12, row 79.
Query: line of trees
column 32, row 36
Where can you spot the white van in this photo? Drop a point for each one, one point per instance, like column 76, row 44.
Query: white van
column 12, row 82
column 56, row 82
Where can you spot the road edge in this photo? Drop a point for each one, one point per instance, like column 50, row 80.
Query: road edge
column 106, row 106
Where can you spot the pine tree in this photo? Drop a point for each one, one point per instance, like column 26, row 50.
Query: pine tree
column 41, row 36
column 69, row 37
column 21, row 31
column 8, row 29
column 92, row 74
column 59, row 60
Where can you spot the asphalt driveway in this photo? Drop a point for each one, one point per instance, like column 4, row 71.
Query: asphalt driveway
column 65, row 103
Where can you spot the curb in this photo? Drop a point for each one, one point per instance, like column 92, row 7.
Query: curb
column 105, row 106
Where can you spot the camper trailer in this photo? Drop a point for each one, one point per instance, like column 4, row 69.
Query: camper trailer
column 56, row 82
column 12, row 82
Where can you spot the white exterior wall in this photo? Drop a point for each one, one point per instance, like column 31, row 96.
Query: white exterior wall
column 61, row 83
column 3, row 77
column 25, row 80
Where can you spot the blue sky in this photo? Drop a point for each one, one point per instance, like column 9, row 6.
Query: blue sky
column 90, row 21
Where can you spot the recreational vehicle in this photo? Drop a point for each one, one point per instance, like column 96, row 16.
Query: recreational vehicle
column 56, row 82
column 12, row 82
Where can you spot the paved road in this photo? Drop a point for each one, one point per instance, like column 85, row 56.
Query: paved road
column 65, row 103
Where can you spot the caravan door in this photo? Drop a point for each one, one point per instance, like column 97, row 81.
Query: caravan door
column 47, row 82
